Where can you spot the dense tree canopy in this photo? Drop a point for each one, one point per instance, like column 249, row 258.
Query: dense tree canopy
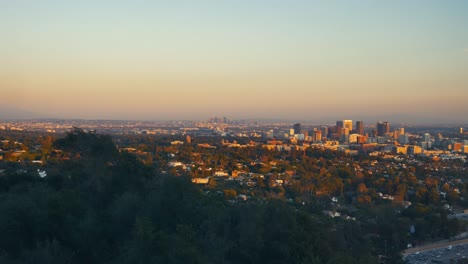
column 106, row 207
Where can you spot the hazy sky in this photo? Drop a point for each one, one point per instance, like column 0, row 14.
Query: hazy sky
column 194, row 59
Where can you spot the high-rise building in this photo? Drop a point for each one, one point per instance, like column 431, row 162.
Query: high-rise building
column 297, row 128
column 317, row 135
column 465, row 149
column 457, row 146
column 360, row 127
column 438, row 139
column 361, row 139
column 353, row 138
column 403, row 139
column 402, row 130
column 339, row 125
column 383, row 128
column 344, row 136
column 325, row 132
column 426, row 141
column 412, row 150
column 348, row 124
column 426, row 137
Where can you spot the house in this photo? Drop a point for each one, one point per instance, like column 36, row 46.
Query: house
column 221, row 174
column 200, row 180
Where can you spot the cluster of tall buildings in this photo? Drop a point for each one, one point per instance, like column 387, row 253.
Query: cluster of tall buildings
column 383, row 128
column 345, row 132
column 219, row 120
column 367, row 138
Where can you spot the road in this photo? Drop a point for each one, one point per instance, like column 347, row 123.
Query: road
column 438, row 245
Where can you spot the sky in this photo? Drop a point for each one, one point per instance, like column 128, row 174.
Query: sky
column 159, row 60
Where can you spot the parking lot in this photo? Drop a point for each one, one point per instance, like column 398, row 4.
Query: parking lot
column 440, row 255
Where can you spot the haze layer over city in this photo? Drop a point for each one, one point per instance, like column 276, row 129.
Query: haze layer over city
column 188, row 60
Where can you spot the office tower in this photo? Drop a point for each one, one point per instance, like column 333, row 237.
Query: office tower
column 348, row 124
column 344, row 135
column 383, row 128
column 317, row 135
column 438, row 139
column 402, row 130
column 412, row 150
column 457, row 147
column 297, row 128
column 339, row 125
column 360, row 127
column 461, row 130
column 426, row 137
column 361, row 139
column 270, row 134
column 353, row 138
column 426, row 141
column 403, row 139
column 325, row 132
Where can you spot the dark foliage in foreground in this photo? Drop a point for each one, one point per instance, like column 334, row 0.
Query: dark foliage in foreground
column 107, row 207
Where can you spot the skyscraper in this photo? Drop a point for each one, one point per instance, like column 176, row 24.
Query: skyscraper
column 402, row 130
column 426, row 141
column 297, row 128
column 317, row 135
column 344, row 135
column 348, row 124
column 360, row 127
column 403, row 139
column 383, row 128
column 339, row 124
column 325, row 132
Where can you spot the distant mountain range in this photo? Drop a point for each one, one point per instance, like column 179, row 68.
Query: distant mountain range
column 8, row 113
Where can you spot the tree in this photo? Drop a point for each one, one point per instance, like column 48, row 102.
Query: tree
column 230, row 194
column 362, row 188
column 212, row 183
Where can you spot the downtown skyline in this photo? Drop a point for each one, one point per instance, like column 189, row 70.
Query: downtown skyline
column 257, row 59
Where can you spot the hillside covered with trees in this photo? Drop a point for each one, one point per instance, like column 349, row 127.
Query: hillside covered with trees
column 106, row 206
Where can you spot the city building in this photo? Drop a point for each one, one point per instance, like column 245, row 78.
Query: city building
column 325, row 132
column 438, row 139
column 361, row 139
column 339, row 124
column 457, row 147
column 426, row 141
column 401, row 149
column 413, row 150
column 297, row 128
column 317, row 136
column 348, row 124
column 383, row 128
column 353, row 138
column 360, row 127
column 403, row 139
column 344, row 136
column 465, row 149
